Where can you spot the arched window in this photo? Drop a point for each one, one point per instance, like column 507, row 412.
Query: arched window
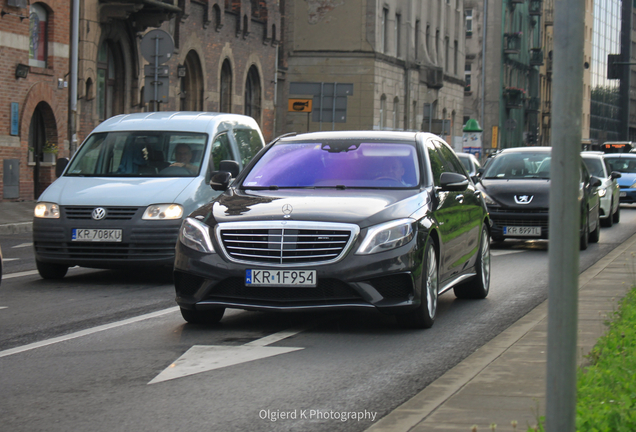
column 225, row 99
column 382, row 112
column 396, row 113
column 38, row 35
column 110, row 81
column 253, row 94
column 191, row 96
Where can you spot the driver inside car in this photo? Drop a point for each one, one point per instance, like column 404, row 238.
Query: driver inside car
column 392, row 170
column 183, row 157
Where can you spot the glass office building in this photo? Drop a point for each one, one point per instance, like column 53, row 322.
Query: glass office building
column 605, row 100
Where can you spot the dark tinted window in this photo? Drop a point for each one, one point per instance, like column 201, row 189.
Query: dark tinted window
column 595, row 166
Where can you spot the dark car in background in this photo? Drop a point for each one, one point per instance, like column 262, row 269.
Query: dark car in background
column 516, row 186
column 337, row 220
column 624, row 163
column 470, row 162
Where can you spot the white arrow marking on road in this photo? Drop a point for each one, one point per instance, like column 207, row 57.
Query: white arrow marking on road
column 203, row 358
column 22, row 245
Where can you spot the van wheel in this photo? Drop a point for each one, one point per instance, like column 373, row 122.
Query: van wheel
column 617, row 215
column 51, row 271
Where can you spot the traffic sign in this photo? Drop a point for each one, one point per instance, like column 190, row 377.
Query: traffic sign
column 157, row 46
column 300, row 105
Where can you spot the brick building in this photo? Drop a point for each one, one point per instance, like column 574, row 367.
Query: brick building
column 34, row 52
column 224, row 59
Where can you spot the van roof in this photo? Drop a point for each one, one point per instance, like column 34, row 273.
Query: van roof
column 190, row 121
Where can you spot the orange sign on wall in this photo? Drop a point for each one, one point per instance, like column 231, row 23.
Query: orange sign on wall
column 300, row 105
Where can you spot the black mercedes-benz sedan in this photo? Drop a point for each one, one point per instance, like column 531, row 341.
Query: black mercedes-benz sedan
column 516, row 186
column 337, row 220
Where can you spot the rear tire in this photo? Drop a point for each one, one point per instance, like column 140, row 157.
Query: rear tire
column 207, row 317
column 51, row 271
column 424, row 316
column 478, row 287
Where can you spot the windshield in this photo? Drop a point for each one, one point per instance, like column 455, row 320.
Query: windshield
column 140, row 154
column 595, row 167
column 516, row 165
column 465, row 161
column 623, row 165
column 335, row 163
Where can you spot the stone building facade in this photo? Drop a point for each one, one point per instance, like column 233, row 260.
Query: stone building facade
column 34, row 52
column 392, row 65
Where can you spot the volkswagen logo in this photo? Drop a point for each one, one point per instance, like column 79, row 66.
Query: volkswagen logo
column 287, row 209
column 99, row 213
column 523, row 199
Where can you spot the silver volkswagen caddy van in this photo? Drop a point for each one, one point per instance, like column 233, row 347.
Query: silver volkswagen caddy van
column 120, row 200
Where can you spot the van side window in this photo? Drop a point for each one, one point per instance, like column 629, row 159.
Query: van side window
column 249, row 143
column 221, row 150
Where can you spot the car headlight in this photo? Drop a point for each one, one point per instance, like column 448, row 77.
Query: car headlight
column 196, row 235
column 602, row 192
column 163, row 212
column 387, row 236
column 633, row 186
column 46, row 210
column 487, row 199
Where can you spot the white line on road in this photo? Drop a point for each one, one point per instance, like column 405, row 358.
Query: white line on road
column 3, row 307
column 10, row 259
column 504, row 252
column 19, row 274
column 86, row 332
column 22, row 245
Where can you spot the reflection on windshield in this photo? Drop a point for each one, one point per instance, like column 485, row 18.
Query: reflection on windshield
column 531, row 165
column 623, row 164
column 595, row 167
column 140, row 154
column 334, row 163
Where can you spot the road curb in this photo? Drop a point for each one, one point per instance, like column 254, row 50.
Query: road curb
column 16, row 228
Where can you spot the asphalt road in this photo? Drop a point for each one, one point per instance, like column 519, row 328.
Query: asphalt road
column 99, row 350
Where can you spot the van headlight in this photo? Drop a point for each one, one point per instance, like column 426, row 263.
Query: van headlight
column 387, row 236
column 196, row 235
column 163, row 212
column 46, row 210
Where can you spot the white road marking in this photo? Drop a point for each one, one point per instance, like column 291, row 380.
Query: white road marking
column 4, row 307
column 86, row 332
column 505, row 252
column 203, row 358
column 9, row 259
column 19, row 274
column 22, row 245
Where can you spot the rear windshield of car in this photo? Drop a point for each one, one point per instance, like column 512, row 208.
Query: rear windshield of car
column 332, row 163
column 529, row 165
column 140, row 154
column 622, row 164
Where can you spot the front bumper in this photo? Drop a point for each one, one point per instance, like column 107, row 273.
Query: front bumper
column 143, row 242
column 388, row 281
column 502, row 217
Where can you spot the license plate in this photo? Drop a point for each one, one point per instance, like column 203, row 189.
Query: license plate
column 97, row 235
column 623, row 194
column 522, row 231
column 304, row 278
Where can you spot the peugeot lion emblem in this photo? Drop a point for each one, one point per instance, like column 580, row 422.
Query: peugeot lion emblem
column 287, row 209
column 99, row 213
column 523, row 199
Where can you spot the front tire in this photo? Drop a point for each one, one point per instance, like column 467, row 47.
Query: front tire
column 596, row 234
column 478, row 287
column 51, row 271
column 585, row 237
column 609, row 220
column 207, row 317
column 617, row 215
column 424, row 316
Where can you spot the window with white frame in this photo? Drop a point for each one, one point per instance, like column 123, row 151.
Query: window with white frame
column 469, row 22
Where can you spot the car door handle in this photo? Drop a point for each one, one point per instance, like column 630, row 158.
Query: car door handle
column 460, row 198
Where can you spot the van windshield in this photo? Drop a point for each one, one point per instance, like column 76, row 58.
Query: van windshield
column 140, row 154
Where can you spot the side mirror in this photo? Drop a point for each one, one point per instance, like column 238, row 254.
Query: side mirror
column 220, row 180
column 60, row 166
column 595, row 181
column 615, row 174
column 453, row 182
column 230, row 166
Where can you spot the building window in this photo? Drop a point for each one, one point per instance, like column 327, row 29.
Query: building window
column 417, row 38
column 382, row 111
column 398, row 22
column 469, row 22
column 396, row 113
column 38, row 37
column 455, row 57
column 225, row 97
column 467, row 76
column 109, row 82
column 446, row 55
column 384, row 39
column 253, row 95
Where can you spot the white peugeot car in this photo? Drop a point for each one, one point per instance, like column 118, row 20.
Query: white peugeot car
column 608, row 191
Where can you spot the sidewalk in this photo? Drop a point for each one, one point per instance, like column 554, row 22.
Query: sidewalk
column 505, row 380
column 16, row 217
column 501, row 382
